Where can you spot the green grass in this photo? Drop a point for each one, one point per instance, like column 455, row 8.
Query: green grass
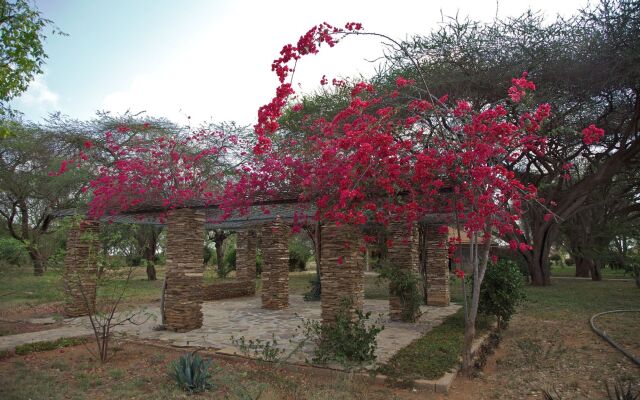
column 435, row 353
column 438, row 351
column 20, row 286
column 569, row 298
column 49, row 345
column 606, row 272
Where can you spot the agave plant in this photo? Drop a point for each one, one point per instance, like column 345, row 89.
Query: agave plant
column 191, row 373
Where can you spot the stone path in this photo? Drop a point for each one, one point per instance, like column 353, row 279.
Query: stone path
column 243, row 317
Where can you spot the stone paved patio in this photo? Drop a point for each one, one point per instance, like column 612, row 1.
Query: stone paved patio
column 244, row 317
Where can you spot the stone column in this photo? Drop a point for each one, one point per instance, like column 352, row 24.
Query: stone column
column 403, row 254
column 80, row 269
column 275, row 268
column 183, row 296
column 437, row 267
column 246, row 257
column 342, row 271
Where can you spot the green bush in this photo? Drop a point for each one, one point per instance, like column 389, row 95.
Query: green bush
column 349, row 341
column 405, row 285
column 230, row 259
column 191, row 373
column 299, row 254
column 501, row 292
column 12, row 252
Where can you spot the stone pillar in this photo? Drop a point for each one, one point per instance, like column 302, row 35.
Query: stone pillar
column 342, row 270
column 81, row 269
column 275, row 268
column 246, row 257
column 403, row 254
column 183, row 296
column 437, row 267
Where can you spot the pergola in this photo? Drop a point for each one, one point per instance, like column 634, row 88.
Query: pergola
column 266, row 226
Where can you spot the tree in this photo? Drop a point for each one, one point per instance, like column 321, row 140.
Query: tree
column 591, row 234
column 28, row 194
column 22, row 55
column 586, row 67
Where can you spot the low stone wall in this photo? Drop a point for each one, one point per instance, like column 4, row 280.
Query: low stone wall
column 228, row 290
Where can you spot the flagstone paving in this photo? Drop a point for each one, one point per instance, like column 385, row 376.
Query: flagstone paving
column 243, row 317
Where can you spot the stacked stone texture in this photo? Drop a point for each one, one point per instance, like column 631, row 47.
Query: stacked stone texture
column 403, row 254
column 81, row 269
column 183, row 296
column 228, row 290
column 437, row 266
column 275, row 268
column 246, row 242
column 342, row 271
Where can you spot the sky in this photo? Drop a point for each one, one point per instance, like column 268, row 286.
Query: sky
column 207, row 60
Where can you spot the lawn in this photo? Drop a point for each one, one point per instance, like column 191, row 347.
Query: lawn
column 606, row 272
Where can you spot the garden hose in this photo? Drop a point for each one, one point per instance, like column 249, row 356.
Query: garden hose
column 604, row 335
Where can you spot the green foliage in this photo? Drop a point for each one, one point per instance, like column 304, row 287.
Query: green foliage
column 230, row 259
column 21, row 48
column 314, row 290
column 191, row 373
column 265, row 350
column 348, row 341
column 502, row 291
column 259, row 263
column 405, row 285
column 50, row 345
column 299, row 254
column 12, row 252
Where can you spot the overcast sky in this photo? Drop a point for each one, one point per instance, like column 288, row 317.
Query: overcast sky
column 211, row 60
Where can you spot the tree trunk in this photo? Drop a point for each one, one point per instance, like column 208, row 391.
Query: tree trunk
column 583, row 270
column 538, row 258
column 594, row 267
column 219, row 255
column 149, row 254
column 37, row 261
column 151, row 271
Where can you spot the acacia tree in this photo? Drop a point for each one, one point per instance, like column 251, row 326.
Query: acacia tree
column 28, row 195
column 587, row 69
column 591, row 234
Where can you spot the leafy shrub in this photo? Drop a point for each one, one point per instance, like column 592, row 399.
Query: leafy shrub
column 265, row 350
column 29, row 348
column 347, row 341
column 191, row 373
column 299, row 254
column 314, row 290
column 405, row 285
column 502, row 291
column 230, row 259
column 12, row 251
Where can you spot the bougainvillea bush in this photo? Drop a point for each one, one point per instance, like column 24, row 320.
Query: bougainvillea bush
column 398, row 153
